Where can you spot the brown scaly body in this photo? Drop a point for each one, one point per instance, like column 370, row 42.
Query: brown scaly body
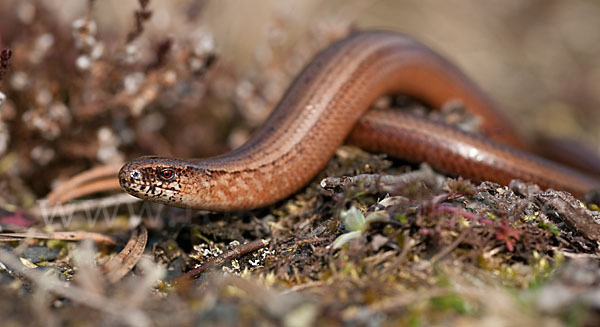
column 327, row 102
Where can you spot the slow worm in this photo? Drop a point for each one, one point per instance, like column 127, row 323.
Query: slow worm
column 327, row 104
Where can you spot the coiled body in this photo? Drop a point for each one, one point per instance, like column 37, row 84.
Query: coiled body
column 327, row 102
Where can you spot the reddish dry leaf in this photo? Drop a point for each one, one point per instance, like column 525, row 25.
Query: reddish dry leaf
column 16, row 218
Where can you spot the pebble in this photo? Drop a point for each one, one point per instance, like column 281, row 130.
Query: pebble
column 37, row 254
column 175, row 269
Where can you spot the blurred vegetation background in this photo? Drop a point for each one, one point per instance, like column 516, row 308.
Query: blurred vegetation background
column 224, row 65
column 532, row 56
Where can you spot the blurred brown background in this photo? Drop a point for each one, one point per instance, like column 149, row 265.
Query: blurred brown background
column 536, row 58
column 532, row 56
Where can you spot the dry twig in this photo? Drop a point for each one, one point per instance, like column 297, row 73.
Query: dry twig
column 379, row 183
column 5, row 55
column 570, row 210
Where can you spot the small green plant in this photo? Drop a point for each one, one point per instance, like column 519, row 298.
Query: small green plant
column 355, row 222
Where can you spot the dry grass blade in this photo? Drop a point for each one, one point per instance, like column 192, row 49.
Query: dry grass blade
column 66, row 189
column 9, row 239
column 43, row 211
column 450, row 247
column 123, row 262
column 62, row 236
column 102, row 185
column 396, row 303
column 128, row 316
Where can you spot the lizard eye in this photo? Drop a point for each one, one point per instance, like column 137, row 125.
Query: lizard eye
column 166, row 174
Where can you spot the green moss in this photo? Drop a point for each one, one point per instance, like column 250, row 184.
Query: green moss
column 451, row 302
column 401, row 218
column 549, row 227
